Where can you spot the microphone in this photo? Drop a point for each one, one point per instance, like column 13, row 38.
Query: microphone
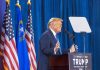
column 70, row 35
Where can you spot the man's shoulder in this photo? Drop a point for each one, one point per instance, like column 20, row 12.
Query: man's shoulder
column 46, row 34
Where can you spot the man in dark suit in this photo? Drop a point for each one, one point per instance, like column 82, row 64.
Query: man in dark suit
column 49, row 45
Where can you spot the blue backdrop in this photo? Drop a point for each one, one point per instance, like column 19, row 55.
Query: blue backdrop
column 43, row 10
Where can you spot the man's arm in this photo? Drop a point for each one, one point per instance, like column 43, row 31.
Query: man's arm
column 71, row 50
column 45, row 45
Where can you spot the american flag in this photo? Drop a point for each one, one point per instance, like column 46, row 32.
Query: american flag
column 8, row 44
column 29, row 35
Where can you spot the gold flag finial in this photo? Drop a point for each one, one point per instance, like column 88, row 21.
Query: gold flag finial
column 7, row 1
column 29, row 2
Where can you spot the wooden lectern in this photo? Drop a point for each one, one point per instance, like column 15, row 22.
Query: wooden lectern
column 59, row 62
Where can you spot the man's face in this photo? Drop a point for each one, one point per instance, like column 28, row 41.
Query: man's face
column 57, row 25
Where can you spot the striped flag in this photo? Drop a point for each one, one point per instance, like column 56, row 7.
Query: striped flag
column 8, row 44
column 29, row 35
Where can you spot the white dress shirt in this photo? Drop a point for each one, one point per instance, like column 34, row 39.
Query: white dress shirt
column 54, row 33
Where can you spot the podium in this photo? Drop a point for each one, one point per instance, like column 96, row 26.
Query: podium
column 59, row 62
column 71, row 61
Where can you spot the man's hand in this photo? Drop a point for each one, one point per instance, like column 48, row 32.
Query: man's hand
column 72, row 49
column 56, row 47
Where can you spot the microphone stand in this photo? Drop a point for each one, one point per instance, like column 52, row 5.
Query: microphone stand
column 83, row 34
column 71, row 36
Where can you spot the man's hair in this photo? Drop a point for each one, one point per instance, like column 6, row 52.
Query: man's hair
column 54, row 19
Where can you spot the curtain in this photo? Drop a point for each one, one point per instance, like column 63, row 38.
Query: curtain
column 43, row 10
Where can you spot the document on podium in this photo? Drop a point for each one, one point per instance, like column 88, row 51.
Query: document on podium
column 80, row 24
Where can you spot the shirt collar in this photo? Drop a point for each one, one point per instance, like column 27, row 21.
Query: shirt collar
column 54, row 33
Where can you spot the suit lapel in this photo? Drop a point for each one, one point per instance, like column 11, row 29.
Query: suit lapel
column 53, row 40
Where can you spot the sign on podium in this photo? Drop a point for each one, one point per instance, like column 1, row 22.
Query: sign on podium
column 80, row 61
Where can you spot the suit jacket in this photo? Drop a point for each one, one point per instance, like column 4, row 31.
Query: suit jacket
column 47, row 43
